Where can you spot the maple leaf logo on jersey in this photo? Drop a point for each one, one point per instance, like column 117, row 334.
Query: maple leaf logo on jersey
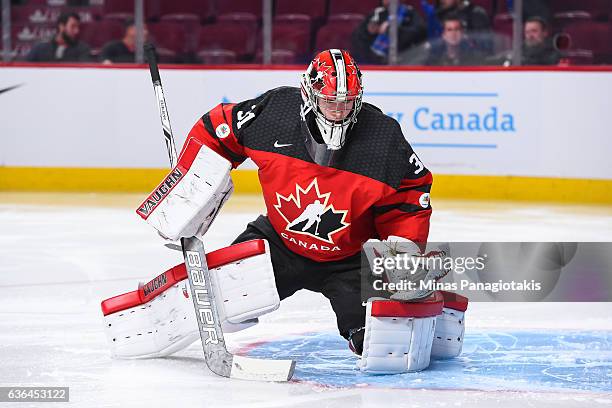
column 309, row 212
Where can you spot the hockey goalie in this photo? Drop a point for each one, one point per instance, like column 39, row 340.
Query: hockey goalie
column 336, row 172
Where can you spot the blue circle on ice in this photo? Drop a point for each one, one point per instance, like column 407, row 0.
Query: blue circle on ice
column 491, row 360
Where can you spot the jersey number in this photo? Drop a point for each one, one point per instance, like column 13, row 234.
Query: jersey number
column 245, row 117
column 415, row 160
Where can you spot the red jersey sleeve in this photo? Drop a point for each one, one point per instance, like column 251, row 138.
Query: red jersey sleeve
column 406, row 212
column 221, row 128
column 216, row 130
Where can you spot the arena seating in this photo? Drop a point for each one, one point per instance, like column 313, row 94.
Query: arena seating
column 98, row 33
column 237, row 39
column 364, row 7
column 229, row 31
column 593, row 36
column 315, row 9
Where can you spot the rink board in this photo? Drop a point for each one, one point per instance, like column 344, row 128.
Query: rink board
column 581, row 191
column 491, row 361
column 486, row 133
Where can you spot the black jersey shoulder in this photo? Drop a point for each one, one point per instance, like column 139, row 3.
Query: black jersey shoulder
column 275, row 122
column 377, row 148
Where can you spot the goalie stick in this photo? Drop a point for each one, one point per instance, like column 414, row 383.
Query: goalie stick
column 218, row 359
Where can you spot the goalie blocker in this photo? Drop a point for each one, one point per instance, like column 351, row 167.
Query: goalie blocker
column 158, row 319
column 187, row 201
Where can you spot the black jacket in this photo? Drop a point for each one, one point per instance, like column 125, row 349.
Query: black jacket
column 543, row 54
column 47, row 52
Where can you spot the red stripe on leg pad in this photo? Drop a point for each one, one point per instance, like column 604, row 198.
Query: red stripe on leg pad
column 172, row 276
column 121, row 302
column 431, row 306
column 454, row 301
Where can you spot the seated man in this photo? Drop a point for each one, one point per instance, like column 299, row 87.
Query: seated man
column 454, row 49
column 65, row 46
column 474, row 19
column 538, row 48
column 122, row 50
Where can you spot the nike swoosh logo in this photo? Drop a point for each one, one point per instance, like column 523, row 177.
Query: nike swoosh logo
column 10, row 88
column 276, row 144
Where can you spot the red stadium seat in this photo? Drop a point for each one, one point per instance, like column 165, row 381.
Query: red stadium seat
column 503, row 24
column 32, row 32
column 170, row 38
column 167, row 56
column 301, row 21
column 560, row 20
column 315, row 9
column 240, row 6
column 594, row 36
column 89, row 13
column 503, row 28
column 20, row 50
column 577, row 57
column 189, row 23
column 364, row 7
column 346, row 19
column 216, row 57
column 293, row 35
column 34, row 14
column 241, row 40
column 204, row 9
column 98, row 33
column 245, row 19
column 43, row 14
column 334, row 35
column 118, row 17
column 279, row 57
column 126, row 8
column 597, row 8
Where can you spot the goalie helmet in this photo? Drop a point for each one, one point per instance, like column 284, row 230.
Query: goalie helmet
column 332, row 93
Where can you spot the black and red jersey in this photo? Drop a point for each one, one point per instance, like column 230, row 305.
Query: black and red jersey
column 376, row 187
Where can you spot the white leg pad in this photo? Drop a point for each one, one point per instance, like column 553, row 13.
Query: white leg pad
column 157, row 328
column 450, row 327
column 448, row 338
column 398, row 336
column 246, row 289
column 159, row 319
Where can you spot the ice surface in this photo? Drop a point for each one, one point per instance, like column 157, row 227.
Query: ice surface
column 57, row 262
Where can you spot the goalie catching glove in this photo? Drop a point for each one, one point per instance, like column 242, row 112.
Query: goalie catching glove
column 187, row 201
column 414, row 273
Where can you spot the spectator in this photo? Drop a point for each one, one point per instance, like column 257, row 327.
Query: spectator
column 454, row 49
column 370, row 40
column 474, row 18
column 123, row 50
column 65, row 46
column 538, row 47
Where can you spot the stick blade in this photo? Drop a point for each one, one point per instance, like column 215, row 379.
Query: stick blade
column 254, row 369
